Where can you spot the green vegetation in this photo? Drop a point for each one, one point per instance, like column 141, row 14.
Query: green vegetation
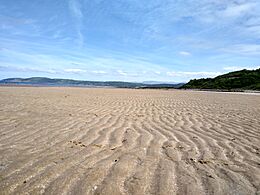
column 242, row 80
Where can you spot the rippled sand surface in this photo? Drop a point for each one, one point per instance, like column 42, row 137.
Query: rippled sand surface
column 125, row 141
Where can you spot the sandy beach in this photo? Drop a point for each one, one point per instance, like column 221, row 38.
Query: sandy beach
column 127, row 141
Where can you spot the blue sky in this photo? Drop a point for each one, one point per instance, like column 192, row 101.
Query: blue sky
column 128, row 40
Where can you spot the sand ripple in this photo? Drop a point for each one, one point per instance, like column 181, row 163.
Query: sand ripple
column 118, row 141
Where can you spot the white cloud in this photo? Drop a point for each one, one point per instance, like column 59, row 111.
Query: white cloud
column 236, row 10
column 98, row 72
column 75, row 10
column 243, row 49
column 235, row 68
column 184, row 53
column 122, row 73
column 192, row 74
column 254, row 30
column 74, row 70
column 26, row 69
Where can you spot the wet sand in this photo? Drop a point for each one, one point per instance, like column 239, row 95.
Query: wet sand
column 126, row 141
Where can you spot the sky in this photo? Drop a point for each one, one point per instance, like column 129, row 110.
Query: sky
column 128, row 40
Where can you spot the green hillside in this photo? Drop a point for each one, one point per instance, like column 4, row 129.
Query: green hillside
column 243, row 79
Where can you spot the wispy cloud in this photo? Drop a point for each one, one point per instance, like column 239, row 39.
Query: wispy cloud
column 243, row 49
column 13, row 21
column 75, row 8
column 122, row 73
column 27, row 69
column 235, row 68
column 75, row 70
column 192, row 74
column 184, row 53
column 76, row 12
column 236, row 10
column 99, row 72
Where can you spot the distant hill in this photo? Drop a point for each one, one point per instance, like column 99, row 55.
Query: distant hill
column 242, row 80
column 158, row 82
column 43, row 81
column 162, row 86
